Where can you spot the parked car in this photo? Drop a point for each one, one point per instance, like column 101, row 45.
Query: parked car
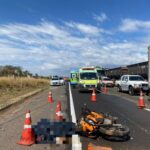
column 133, row 84
column 55, row 81
column 107, row 81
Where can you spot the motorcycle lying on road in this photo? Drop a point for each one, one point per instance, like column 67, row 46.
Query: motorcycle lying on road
column 93, row 124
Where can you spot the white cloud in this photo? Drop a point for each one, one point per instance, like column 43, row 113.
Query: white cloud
column 49, row 48
column 130, row 25
column 121, row 45
column 85, row 28
column 101, row 18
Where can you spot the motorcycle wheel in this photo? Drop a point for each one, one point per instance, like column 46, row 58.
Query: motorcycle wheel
column 116, row 138
column 116, row 130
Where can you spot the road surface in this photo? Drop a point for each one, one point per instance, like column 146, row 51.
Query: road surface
column 12, row 119
column 137, row 120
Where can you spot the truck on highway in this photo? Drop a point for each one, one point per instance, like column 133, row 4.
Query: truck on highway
column 88, row 79
column 133, row 84
column 100, row 71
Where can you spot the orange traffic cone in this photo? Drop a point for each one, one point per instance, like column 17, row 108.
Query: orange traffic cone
column 59, row 115
column 141, row 103
column 105, row 89
column 28, row 136
column 90, row 147
column 94, row 147
column 93, row 97
column 50, row 99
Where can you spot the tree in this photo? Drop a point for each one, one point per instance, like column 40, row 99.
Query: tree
column 10, row 70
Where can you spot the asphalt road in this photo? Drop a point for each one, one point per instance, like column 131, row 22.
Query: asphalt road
column 137, row 120
column 12, row 119
column 134, row 99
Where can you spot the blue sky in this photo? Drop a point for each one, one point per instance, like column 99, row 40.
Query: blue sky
column 56, row 36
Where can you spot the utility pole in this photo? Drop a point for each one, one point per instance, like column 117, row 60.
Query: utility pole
column 149, row 66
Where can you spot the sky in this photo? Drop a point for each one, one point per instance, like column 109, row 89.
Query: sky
column 53, row 37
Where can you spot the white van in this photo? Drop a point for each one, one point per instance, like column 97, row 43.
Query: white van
column 55, row 81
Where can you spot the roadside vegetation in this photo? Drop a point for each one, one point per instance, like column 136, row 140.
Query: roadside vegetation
column 11, row 87
column 14, row 82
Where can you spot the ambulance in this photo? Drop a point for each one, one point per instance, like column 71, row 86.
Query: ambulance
column 88, row 79
column 74, row 78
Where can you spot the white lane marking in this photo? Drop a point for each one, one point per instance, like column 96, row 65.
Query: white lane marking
column 74, row 120
column 147, row 109
column 76, row 144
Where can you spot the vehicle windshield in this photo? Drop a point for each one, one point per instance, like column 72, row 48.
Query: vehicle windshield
column 88, row 75
column 73, row 75
column 136, row 78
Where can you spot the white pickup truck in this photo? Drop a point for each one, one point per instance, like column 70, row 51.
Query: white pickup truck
column 133, row 84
